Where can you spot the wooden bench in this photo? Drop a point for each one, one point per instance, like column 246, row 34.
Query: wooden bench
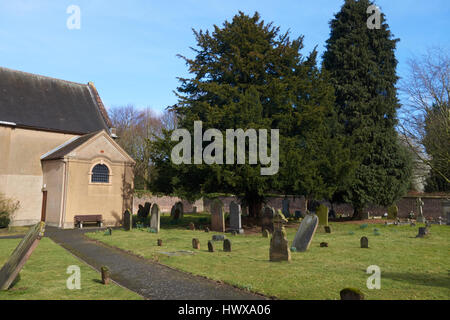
column 80, row 219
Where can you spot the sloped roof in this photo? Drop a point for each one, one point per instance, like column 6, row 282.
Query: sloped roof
column 68, row 147
column 40, row 102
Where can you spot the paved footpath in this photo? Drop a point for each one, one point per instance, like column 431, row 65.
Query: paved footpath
column 149, row 279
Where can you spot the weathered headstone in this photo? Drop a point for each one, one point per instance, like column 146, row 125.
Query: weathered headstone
column 210, row 246
column 155, row 218
column 267, row 218
column 423, row 231
column 218, row 237
column 144, row 211
column 217, row 216
column 265, row 233
column 235, row 218
column 285, row 205
column 351, row 294
column 177, row 211
column 105, row 275
column 322, row 214
column 227, row 245
column 279, row 246
column 364, row 242
column 20, row 255
column 127, row 220
column 305, row 232
column 327, row 229
column 195, row 243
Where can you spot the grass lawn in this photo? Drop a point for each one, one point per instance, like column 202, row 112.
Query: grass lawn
column 44, row 276
column 411, row 268
column 13, row 231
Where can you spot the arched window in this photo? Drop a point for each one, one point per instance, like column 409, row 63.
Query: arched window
column 100, row 174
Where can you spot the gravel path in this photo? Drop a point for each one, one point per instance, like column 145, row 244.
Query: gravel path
column 147, row 278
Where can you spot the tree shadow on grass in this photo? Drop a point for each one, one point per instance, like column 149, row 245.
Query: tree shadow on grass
column 441, row 280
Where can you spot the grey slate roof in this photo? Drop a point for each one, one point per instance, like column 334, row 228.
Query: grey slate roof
column 46, row 103
column 69, row 147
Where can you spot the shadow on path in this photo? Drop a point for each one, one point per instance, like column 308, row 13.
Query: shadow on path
column 147, row 278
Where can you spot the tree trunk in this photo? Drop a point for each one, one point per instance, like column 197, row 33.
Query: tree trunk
column 254, row 208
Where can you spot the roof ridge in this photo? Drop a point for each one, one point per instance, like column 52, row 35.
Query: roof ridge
column 46, row 77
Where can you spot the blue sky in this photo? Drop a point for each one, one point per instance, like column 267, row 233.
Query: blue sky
column 128, row 48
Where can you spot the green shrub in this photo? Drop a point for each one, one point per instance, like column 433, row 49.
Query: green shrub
column 393, row 212
column 7, row 208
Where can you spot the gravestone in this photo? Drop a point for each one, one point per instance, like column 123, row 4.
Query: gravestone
column 191, row 226
column 327, row 229
column 105, row 275
column 206, row 229
column 244, row 211
column 20, row 255
column 159, row 242
column 177, row 211
column 323, row 244
column 267, row 218
column 351, row 294
column 155, row 218
column 365, row 215
column 196, row 243
column 210, row 246
column 285, row 206
column 305, row 232
column 127, row 220
column 322, row 214
column 217, row 216
column 364, row 242
column 218, row 237
column 446, row 210
column 235, row 218
column 144, row 211
column 423, row 231
column 279, row 246
column 227, row 245
column 265, row 233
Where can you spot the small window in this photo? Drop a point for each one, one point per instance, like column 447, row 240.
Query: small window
column 100, row 174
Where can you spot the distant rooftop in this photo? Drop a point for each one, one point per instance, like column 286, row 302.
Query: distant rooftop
column 39, row 102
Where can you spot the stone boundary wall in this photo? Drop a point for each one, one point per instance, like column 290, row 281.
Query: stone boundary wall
column 432, row 205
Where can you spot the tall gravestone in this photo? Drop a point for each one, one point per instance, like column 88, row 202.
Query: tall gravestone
column 285, row 206
column 305, row 232
column 177, row 211
column 155, row 218
column 279, row 246
column 268, row 214
column 322, row 214
column 235, row 218
column 217, row 216
column 127, row 220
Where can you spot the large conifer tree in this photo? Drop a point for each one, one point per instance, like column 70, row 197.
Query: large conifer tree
column 362, row 66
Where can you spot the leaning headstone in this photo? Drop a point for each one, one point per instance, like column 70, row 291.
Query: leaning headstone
column 235, row 218
column 279, row 246
column 322, row 214
column 267, row 218
column 155, row 218
column 351, row 294
column 217, row 216
column 177, row 211
column 127, row 220
column 285, row 205
column 306, row 232
column 423, row 231
column 210, row 246
column 227, row 245
column 20, row 255
column 195, row 243
column 364, row 242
